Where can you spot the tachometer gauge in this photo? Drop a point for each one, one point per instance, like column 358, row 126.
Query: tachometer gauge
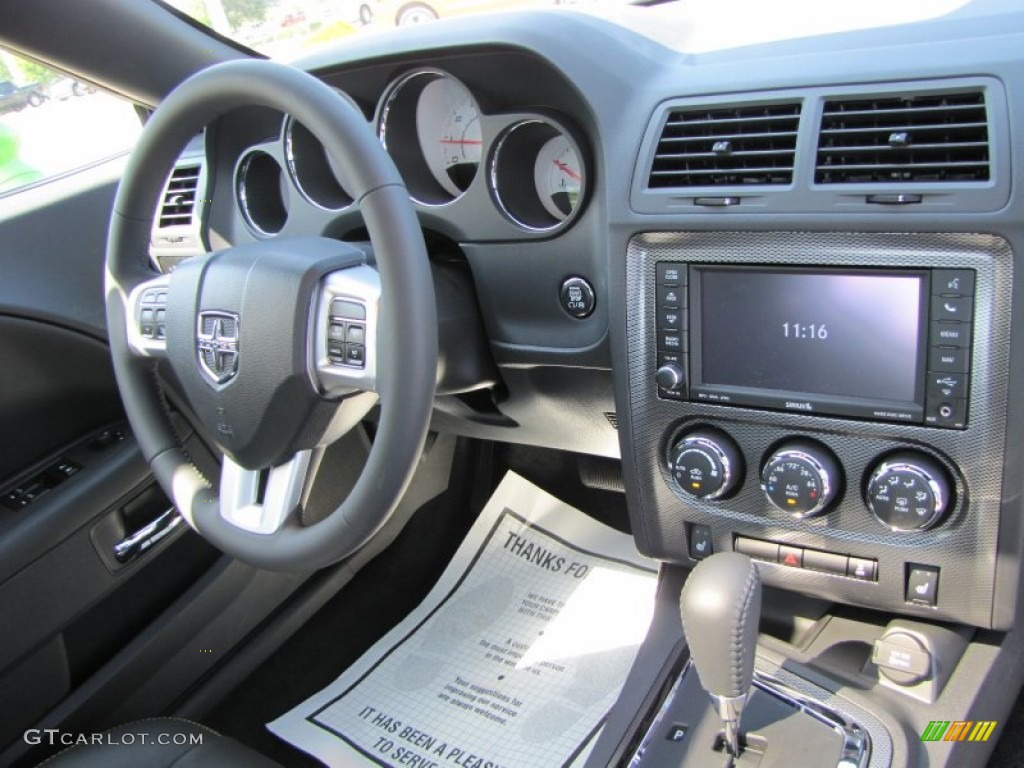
column 558, row 174
column 430, row 124
column 448, row 125
column 538, row 175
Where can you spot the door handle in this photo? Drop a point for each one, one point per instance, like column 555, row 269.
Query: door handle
column 148, row 536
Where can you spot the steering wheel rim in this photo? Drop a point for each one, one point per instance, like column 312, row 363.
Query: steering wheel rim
column 407, row 363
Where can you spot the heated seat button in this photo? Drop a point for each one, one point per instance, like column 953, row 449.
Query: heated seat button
column 700, row 541
column 922, row 585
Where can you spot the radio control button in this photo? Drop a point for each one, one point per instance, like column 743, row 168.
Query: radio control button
column 943, row 386
column 670, row 319
column 671, row 342
column 948, row 360
column 953, row 281
column 950, row 413
column 670, row 377
column 670, row 274
column 950, row 334
column 960, row 308
column 670, row 297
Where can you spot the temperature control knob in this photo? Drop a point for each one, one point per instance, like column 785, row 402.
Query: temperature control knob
column 801, row 478
column 707, row 464
column 908, row 491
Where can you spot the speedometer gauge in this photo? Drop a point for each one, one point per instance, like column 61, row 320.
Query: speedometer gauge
column 558, row 175
column 429, row 123
column 448, row 126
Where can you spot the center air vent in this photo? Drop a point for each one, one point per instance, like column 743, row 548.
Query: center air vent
column 727, row 146
column 180, row 197
column 938, row 137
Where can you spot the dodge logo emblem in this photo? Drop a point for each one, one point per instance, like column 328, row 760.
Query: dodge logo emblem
column 217, row 346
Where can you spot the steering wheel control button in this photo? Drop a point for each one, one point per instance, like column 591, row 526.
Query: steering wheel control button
column 355, row 334
column 700, row 541
column 757, row 549
column 862, row 569
column 336, row 332
column 706, row 464
column 577, row 297
column 355, row 355
column 922, row 585
column 801, row 478
column 347, row 310
column 908, row 491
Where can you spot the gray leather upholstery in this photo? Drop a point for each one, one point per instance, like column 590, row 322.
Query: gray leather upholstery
column 160, row 743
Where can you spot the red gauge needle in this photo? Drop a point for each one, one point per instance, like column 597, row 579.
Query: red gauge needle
column 460, row 141
column 567, row 170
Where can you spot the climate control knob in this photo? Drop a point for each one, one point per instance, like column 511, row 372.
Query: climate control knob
column 908, row 491
column 707, row 464
column 802, row 478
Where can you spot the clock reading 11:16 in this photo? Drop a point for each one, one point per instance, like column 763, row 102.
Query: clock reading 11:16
column 805, row 331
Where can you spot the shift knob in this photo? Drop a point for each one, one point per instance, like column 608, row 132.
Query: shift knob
column 720, row 606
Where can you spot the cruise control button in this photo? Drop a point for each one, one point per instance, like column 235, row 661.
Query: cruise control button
column 349, row 310
column 336, row 351
column 355, row 354
column 953, row 308
column 957, row 281
column 356, row 334
column 948, row 360
column 826, row 562
column 336, row 332
column 922, row 585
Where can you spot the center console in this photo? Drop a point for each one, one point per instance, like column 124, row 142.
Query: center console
column 830, row 404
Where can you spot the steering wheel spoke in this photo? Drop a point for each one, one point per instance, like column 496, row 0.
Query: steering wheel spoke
column 147, row 317
column 240, row 503
column 344, row 337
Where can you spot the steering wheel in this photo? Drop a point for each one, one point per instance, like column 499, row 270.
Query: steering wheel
column 279, row 346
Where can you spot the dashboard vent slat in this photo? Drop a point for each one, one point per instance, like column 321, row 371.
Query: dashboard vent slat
column 726, row 146
column 934, row 137
column 179, row 200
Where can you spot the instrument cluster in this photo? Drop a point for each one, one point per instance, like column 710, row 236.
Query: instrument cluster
column 510, row 171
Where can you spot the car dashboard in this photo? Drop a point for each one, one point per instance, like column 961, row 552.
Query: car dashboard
column 775, row 278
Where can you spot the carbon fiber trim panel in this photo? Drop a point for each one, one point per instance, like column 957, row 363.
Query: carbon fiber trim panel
column 964, row 546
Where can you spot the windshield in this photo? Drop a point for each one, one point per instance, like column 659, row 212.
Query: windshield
column 286, row 29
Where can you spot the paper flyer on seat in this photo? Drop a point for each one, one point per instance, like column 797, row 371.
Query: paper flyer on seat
column 512, row 661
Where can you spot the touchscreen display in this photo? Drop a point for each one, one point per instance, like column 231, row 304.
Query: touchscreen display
column 845, row 334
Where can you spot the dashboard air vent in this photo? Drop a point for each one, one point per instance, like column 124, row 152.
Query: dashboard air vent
column 726, row 146
column 179, row 197
column 938, row 137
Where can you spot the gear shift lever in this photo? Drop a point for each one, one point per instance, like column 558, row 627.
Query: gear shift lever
column 720, row 606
